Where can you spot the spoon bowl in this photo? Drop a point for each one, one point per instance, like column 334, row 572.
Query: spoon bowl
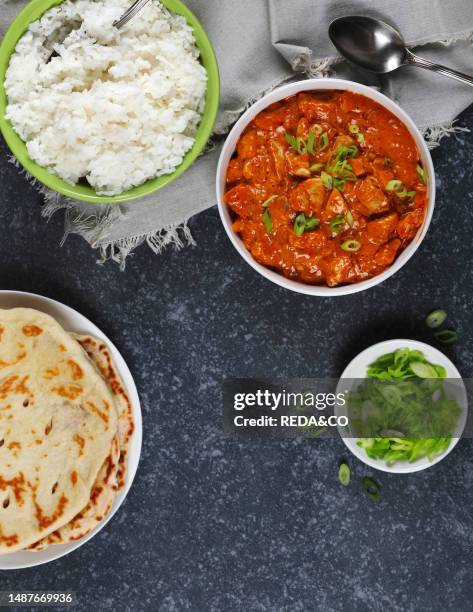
column 370, row 43
column 378, row 47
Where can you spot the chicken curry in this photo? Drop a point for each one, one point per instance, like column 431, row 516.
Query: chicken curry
column 326, row 187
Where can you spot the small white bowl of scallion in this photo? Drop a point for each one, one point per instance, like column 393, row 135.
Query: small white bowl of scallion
column 406, row 406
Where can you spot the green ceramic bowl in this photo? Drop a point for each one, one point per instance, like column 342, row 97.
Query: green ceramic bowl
column 32, row 12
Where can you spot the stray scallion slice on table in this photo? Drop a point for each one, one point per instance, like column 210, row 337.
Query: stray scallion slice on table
column 446, row 336
column 436, row 318
column 344, row 474
column 371, row 489
column 267, row 220
column 351, row 245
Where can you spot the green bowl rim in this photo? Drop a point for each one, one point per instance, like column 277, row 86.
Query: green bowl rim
column 32, row 12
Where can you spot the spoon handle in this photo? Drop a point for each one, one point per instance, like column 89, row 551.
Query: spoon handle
column 420, row 62
column 130, row 13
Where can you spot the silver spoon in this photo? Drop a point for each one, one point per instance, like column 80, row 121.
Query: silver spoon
column 130, row 13
column 134, row 9
column 378, row 47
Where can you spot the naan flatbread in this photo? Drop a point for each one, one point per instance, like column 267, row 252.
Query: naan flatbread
column 58, row 423
column 112, row 475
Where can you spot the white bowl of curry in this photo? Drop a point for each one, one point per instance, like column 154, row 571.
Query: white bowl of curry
column 325, row 187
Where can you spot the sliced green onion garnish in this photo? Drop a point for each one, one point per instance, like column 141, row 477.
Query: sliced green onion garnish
column 326, row 180
column 361, row 138
column 318, row 128
column 337, row 223
column 446, row 336
column 387, row 162
column 436, row 318
column 371, row 489
column 422, row 174
column 268, row 222
column 323, row 141
column 423, row 370
column 349, row 218
column 344, row 474
column 269, row 200
column 310, row 143
column 316, row 167
column 351, row 245
column 295, row 143
column 344, row 152
column 299, row 225
column 405, row 194
column 354, row 129
column 303, row 223
column 393, row 185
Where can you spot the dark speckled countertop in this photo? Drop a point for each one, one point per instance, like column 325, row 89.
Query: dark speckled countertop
column 214, row 524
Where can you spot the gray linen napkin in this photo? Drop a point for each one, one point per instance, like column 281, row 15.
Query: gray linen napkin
column 259, row 45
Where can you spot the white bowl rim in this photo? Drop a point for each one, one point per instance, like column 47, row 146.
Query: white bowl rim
column 292, row 89
column 432, row 354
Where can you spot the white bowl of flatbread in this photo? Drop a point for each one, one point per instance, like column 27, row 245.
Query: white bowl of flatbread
column 70, row 430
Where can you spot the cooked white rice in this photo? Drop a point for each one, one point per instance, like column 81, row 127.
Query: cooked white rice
column 115, row 107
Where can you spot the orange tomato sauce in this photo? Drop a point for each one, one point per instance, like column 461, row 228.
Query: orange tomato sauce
column 326, row 188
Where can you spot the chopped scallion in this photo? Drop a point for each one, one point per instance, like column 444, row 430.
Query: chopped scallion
column 351, row 246
column 303, row 224
column 436, row 318
column 326, row 180
column 446, row 336
column 269, row 200
column 423, row 370
column 337, row 223
column 323, row 142
column 267, row 220
column 371, row 489
column 422, row 174
column 344, row 474
column 393, row 185
column 296, row 143
column 310, row 143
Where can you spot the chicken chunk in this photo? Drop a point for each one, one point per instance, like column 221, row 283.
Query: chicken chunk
column 241, row 199
column 297, row 165
column 308, row 196
column 371, row 199
column 336, row 205
column 339, row 270
column 380, row 230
